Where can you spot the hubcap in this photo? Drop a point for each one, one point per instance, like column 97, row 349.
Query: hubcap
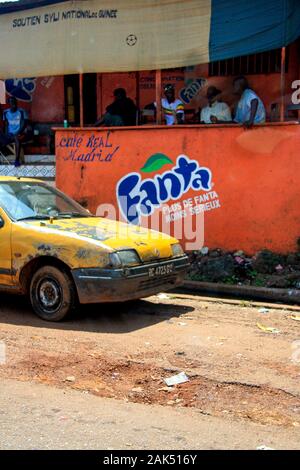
column 49, row 294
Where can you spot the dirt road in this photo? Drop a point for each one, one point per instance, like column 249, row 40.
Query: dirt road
column 239, row 374
column 35, row 416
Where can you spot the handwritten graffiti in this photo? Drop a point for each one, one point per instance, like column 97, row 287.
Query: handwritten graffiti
column 137, row 197
column 21, row 88
column 47, row 82
column 189, row 92
column 95, row 148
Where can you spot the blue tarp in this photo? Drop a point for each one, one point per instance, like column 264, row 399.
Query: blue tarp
column 240, row 27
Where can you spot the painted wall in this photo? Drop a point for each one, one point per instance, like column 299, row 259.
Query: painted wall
column 250, row 199
column 48, row 103
column 43, row 98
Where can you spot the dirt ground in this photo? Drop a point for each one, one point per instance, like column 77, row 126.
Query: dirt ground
column 236, row 369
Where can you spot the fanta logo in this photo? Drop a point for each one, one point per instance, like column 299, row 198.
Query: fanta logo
column 21, row 88
column 155, row 162
column 137, row 197
column 189, row 92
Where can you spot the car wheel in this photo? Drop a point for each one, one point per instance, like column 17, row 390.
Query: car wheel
column 52, row 293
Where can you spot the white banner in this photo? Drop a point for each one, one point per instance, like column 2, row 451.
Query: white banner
column 104, row 36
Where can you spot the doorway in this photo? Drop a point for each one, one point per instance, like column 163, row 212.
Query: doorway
column 72, row 99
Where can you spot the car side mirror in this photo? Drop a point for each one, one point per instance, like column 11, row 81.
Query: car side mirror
column 1, row 222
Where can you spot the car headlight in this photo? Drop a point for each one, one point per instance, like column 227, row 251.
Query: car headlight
column 177, row 250
column 124, row 258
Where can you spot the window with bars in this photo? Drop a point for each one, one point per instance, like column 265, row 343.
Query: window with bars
column 261, row 63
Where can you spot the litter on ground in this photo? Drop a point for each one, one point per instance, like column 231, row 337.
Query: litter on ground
column 267, row 329
column 264, row 448
column 177, row 379
column 263, row 310
column 294, row 317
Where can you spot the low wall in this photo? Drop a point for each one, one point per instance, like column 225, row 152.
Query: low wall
column 244, row 183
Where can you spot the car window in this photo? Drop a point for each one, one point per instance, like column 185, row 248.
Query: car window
column 22, row 200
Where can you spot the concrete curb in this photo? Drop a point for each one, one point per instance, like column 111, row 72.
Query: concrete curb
column 288, row 296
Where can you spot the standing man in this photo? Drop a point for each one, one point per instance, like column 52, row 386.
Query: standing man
column 250, row 109
column 15, row 122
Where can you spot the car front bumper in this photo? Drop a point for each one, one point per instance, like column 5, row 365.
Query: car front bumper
column 117, row 285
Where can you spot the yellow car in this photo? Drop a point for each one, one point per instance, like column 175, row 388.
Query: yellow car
column 58, row 253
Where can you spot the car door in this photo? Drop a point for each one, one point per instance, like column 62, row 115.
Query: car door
column 5, row 250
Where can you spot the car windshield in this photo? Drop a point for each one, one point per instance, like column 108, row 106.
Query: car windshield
column 29, row 200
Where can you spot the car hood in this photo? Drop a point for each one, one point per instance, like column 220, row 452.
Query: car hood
column 115, row 235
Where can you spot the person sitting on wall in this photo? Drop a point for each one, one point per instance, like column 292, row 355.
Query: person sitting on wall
column 15, row 127
column 250, row 109
column 217, row 112
column 172, row 108
column 121, row 112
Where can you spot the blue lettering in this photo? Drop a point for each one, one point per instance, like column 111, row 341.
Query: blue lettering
column 167, row 190
column 151, row 199
column 202, row 180
column 138, row 197
column 127, row 199
column 185, row 169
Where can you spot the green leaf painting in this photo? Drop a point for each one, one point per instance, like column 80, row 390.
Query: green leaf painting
column 156, row 162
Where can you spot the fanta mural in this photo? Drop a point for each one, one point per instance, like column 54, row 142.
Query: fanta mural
column 214, row 182
column 137, row 196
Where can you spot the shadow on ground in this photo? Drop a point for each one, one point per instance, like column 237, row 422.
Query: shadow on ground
column 105, row 318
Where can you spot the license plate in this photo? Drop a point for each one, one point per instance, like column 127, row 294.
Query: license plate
column 161, row 270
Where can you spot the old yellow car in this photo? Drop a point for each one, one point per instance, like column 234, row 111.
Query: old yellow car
column 59, row 254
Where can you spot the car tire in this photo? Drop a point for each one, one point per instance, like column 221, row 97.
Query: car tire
column 52, row 293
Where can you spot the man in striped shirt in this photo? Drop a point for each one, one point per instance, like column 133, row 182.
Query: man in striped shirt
column 173, row 109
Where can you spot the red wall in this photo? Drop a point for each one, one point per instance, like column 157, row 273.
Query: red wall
column 48, row 103
column 255, row 175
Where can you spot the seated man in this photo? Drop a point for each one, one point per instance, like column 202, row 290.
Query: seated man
column 121, row 112
column 15, row 124
column 216, row 112
column 172, row 108
column 250, row 109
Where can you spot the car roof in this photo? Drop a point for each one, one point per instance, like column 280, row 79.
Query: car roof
column 19, row 179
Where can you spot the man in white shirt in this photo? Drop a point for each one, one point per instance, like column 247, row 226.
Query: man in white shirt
column 216, row 112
